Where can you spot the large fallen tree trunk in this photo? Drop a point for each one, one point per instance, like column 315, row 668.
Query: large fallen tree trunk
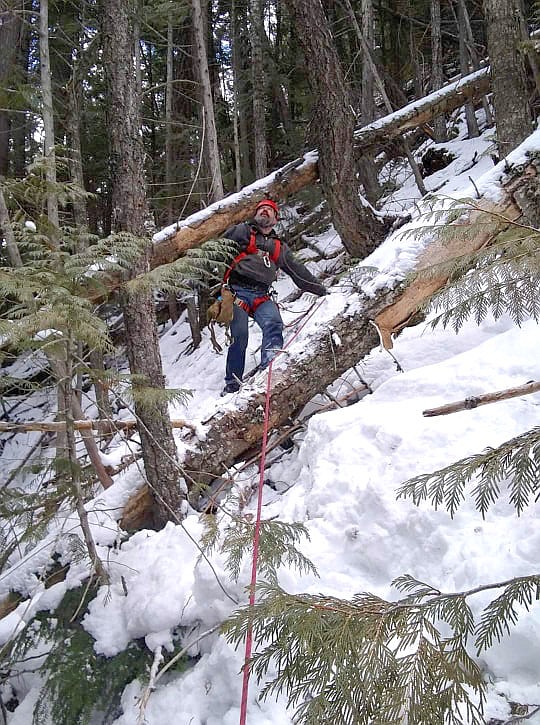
column 172, row 242
column 231, row 434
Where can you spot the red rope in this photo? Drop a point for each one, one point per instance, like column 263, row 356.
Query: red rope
column 256, row 536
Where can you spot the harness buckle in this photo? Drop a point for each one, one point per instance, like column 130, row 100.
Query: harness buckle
column 266, row 260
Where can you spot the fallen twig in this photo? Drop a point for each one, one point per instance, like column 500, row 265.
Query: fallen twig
column 475, row 401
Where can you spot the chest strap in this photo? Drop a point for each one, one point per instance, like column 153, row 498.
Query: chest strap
column 252, row 249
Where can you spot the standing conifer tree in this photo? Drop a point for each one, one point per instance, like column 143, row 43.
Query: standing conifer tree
column 334, row 122
column 129, row 215
column 510, row 93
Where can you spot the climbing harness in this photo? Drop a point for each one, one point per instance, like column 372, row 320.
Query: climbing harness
column 267, row 256
column 253, row 249
column 257, row 533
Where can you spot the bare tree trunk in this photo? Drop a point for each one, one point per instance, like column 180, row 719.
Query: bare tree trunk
column 129, row 214
column 236, row 143
column 50, row 175
column 75, row 480
column 368, row 170
column 10, row 31
column 168, row 121
column 368, row 58
column 475, row 60
column 359, row 229
column 48, row 119
column 236, row 95
column 472, row 124
column 80, row 215
column 437, row 78
column 510, row 94
column 210, row 132
column 258, row 88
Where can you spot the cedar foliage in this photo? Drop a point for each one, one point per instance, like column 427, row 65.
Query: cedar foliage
column 368, row 661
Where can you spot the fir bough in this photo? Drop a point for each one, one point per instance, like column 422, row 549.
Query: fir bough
column 361, row 662
column 277, row 545
column 515, row 464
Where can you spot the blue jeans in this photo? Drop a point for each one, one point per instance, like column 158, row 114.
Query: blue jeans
column 269, row 320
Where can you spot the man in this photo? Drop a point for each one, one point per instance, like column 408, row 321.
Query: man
column 249, row 277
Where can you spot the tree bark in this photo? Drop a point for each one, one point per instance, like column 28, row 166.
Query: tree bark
column 437, row 77
column 10, row 31
column 258, row 88
column 129, row 215
column 209, row 124
column 510, row 94
column 470, row 116
column 360, row 230
column 368, row 170
column 475, row 59
column 48, row 119
column 169, row 161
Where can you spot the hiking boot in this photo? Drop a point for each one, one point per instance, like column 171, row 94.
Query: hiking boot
column 233, row 387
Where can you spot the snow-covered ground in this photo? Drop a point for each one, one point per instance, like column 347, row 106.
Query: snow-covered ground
column 340, row 480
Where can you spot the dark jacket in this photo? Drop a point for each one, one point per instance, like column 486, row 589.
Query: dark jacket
column 258, row 271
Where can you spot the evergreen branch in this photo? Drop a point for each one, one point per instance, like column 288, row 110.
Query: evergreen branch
column 501, row 613
column 362, row 661
column 516, row 460
column 204, row 264
column 277, row 546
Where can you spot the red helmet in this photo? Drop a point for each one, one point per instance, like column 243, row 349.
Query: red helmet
column 270, row 203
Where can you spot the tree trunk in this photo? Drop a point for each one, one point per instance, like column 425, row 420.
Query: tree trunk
column 368, row 59
column 368, row 170
column 10, row 31
column 437, row 76
column 48, row 119
column 509, row 79
column 129, row 215
column 240, row 72
column 470, row 116
column 169, row 161
column 258, row 88
column 358, row 227
column 209, row 122
column 475, row 59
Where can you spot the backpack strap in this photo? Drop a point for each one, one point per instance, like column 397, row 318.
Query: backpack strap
column 252, row 249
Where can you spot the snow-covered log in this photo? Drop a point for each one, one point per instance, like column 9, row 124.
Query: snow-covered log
column 172, row 242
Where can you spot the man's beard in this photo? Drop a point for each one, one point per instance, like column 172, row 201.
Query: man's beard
column 263, row 221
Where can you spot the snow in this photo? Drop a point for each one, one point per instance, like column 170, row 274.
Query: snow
column 340, row 480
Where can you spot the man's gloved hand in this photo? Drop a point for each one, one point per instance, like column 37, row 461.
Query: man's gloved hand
column 323, row 291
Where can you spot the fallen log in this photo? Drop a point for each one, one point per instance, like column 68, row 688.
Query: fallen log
column 172, row 242
column 496, row 218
